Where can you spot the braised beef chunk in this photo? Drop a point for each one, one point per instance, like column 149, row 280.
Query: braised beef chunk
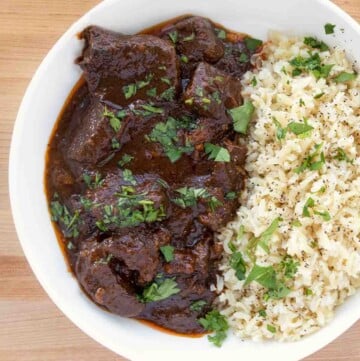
column 145, row 167
column 212, row 91
column 120, row 69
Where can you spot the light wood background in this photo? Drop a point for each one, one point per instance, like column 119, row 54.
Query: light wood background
column 31, row 326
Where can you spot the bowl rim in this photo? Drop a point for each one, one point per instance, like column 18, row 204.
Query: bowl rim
column 14, row 200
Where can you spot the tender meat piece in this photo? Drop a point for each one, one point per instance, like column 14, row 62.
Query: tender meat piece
column 209, row 130
column 197, row 40
column 211, row 92
column 221, row 214
column 192, row 260
column 237, row 153
column 120, row 69
column 91, row 140
column 236, row 61
column 104, row 286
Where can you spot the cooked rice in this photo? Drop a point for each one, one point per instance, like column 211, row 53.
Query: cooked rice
column 328, row 251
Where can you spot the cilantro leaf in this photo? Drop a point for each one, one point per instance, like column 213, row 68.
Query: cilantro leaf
column 214, row 321
column 128, row 177
column 126, row 158
column 310, row 163
column 241, row 116
column 238, row 264
column 342, row 156
column 299, row 128
column 329, row 28
column 289, row 266
column 173, row 35
column 197, row 306
column 129, row 90
column 315, row 43
column 280, row 131
column 310, row 203
column 252, row 44
column 217, row 153
column 168, row 252
column 345, row 77
column 189, row 196
column 263, row 239
column 160, row 290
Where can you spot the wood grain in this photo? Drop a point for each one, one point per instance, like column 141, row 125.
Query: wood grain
column 32, row 328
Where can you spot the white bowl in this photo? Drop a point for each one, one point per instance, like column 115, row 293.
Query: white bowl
column 40, row 107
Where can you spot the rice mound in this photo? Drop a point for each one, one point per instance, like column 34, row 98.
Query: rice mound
column 328, row 252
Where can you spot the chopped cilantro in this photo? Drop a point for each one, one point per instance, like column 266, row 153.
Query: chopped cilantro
column 319, row 95
column 213, row 203
column 126, row 158
column 289, row 267
column 197, row 306
column 311, row 64
column 128, row 177
column 315, row 44
column 159, row 290
column 115, row 143
column 238, row 264
column 296, row 223
column 166, row 135
column 263, row 239
column 173, row 35
column 310, row 203
column 189, row 196
column 129, row 90
column 93, row 180
column 300, row 128
column 262, row 313
column 253, row 81
column 214, row 321
column 231, row 195
column 168, row 252
column 152, row 109
column 184, row 59
column 342, row 156
column 329, row 28
column 115, row 122
column 241, row 116
column 308, row 292
column 151, row 92
column 310, row 163
column 325, row 215
column 60, row 214
column 345, row 77
column 271, row 328
column 168, row 94
column 280, row 131
column 252, row 44
column 221, row 34
column 243, row 58
column 217, row 153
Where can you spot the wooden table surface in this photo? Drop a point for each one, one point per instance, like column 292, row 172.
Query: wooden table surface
column 31, row 326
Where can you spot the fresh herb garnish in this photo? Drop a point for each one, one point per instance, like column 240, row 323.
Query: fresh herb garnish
column 263, row 239
column 238, row 264
column 243, row 58
column 173, row 35
column 189, row 196
column 318, row 96
column 217, row 153
column 151, row 92
column 289, row 267
column 271, row 328
column 231, row 195
column 197, row 306
column 311, row 64
column 310, row 204
column 252, row 44
column 159, row 290
column 166, row 135
column 310, row 163
column 129, row 90
column 168, row 252
column 129, row 177
column 296, row 223
column 60, row 214
column 253, row 81
column 262, row 313
column 300, row 128
column 130, row 210
column 241, row 116
column 329, row 28
column 115, row 143
column 115, row 122
column 184, row 59
column 126, row 158
column 280, row 131
column 345, row 77
column 315, row 44
column 221, row 34
column 266, row 277
column 151, row 109
column 93, row 180
column 342, row 156
column 308, row 292
column 168, row 94
column 214, row 321
column 213, row 203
